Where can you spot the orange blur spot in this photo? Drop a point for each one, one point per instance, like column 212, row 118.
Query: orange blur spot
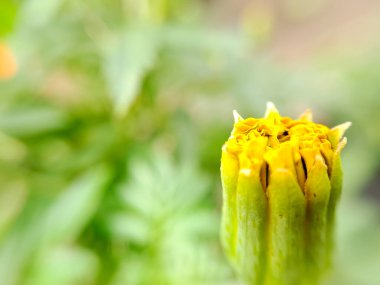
column 8, row 63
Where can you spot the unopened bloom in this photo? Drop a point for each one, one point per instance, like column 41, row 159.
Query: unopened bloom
column 281, row 181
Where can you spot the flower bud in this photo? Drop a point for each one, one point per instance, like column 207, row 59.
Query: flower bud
column 281, row 182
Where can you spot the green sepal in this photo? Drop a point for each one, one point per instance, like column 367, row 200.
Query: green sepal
column 229, row 174
column 335, row 193
column 287, row 206
column 251, row 227
column 317, row 192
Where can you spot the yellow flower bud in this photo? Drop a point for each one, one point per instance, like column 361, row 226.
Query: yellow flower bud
column 281, row 182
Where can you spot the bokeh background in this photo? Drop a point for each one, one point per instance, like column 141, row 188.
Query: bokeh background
column 112, row 120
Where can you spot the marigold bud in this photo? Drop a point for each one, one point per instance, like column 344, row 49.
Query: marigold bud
column 281, row 181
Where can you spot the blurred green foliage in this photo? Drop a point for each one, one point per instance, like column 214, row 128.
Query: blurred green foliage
column 110, row 141
column 8, row 13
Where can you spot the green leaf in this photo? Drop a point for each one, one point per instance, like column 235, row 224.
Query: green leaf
column 32, row 121
column 75, row 207
column 64, row 265
column 126, row 62
column 60, row 222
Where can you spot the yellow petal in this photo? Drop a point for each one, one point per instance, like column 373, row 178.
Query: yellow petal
column 281, row 158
